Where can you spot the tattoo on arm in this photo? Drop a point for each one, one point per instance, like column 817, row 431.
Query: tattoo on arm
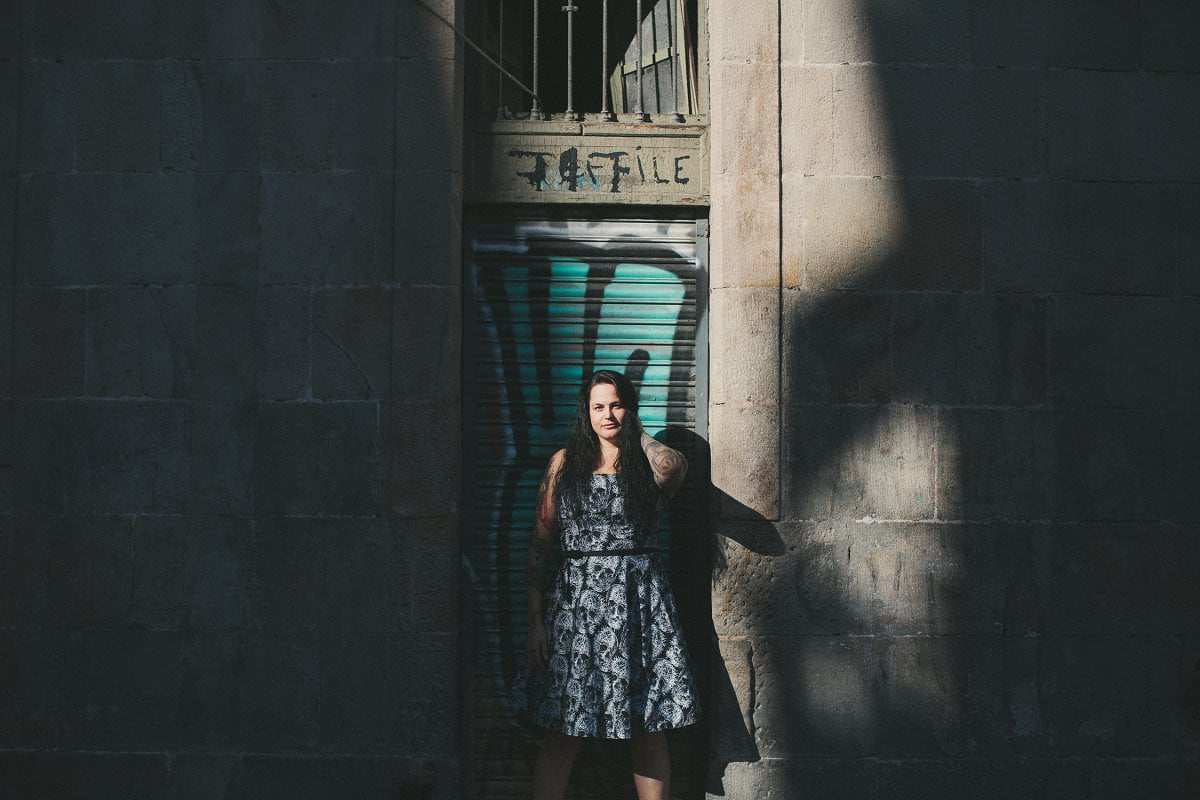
column 669, row 465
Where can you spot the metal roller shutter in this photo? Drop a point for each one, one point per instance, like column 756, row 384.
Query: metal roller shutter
column 548, row 302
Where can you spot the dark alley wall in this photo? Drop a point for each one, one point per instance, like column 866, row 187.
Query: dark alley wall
column 230, row 399
column 976, row 576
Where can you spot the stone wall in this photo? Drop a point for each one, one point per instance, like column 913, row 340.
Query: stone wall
column 229, row 327
column 954, row 383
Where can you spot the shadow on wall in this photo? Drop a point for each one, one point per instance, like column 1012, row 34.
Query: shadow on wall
column 981, row 584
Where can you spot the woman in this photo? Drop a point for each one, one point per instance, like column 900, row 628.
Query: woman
column 604, row 644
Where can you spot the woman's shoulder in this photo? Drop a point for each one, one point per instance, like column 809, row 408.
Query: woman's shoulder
column 558, row 459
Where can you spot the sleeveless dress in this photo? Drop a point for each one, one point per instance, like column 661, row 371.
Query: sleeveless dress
column 618, row 664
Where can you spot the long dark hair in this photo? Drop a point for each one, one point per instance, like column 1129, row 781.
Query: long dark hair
column 583, row 455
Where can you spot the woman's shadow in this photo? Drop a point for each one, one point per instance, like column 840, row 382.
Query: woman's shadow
column 724, row 673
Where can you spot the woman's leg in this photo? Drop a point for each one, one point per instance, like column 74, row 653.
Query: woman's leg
column 552, row 769
column 651, row 766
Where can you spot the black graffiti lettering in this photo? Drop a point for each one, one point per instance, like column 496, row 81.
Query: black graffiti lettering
column 654, row 164
column 679, row 167
column 568, row 168
column 617, row 169
column 537, row 175
column 641, row 172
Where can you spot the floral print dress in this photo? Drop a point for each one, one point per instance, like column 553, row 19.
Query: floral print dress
column 618, row 664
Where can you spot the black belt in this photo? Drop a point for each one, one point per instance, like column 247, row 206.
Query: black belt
column 626, row 551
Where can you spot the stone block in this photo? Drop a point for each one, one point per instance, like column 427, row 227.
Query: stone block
column 70, row 571
column 889, row 697
column 10, row 37
column 118, row 113
column 27, row 773
column 744, row 115
column 1149, row 122
column 421, row 34
column 148, row 29
column 318, row 458
column 433, row 552
column 806, row 126
column 752, row 779
column 1113, row 463
column 114, row 689
column 191, row 572
column 744, row 249
column 982, row 779
column 428, row 247
column 1186, row 367
column 836, row 347
column 326, row 229
column 221, row 455
column 316, row 776
column 747, row 32
column 811, row 451
column 1118, row 778
column 366, row 583
column 745, row 463
column 1093, row 580
column 279, row 688
column 1111, row 238
column 329, row 575
column 362, row 114
column 228, row 230
column 1187, row 258
column 282, row 336
column 1109, row 695
column 108, row 229
column 315, row 29
column 937, row 123
column 360, row 693
column 296, row 129
column 1166, row 33
column 428, row 115
column 47, row 341
column 430, row 716
column 8, row 217
column 215, row 113
column 970, row 348
column 1010, row 34
column 288, row 567
column 870, row 233
column 426, row 344
column 422, row 457
column 885, row 461
column 197, row 776
column 9, row 104
column 1113, row 351
column 350, row 347
column 744, row 347
column 141, row 341
column 208, row 708
column 926, row 32
column 996, row 463
column 102, row 457
column 224, row 366
column 1085, row 34
column 904, row 580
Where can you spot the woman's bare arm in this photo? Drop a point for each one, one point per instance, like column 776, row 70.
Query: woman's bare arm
column 542, row 540
column 669, row 465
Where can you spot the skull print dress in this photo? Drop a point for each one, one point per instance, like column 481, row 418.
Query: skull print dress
column 618, row 664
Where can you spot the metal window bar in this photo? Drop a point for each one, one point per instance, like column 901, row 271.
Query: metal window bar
column 570, row 10
column 535, row 109
column 500, row 83
column 641, row 53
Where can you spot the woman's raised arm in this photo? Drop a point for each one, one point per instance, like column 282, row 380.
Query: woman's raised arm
column 669, row 465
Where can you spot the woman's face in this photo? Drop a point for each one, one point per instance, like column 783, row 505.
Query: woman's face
column 606, row 411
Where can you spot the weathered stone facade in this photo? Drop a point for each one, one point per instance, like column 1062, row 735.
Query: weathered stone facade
column 953, row 383
column 966, row 551
column 230, row 389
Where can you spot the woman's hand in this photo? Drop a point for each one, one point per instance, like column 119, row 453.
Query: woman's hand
column 536, row 649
